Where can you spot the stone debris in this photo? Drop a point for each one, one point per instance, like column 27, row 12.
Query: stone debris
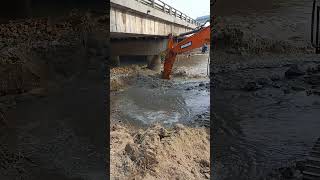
column 293, row 71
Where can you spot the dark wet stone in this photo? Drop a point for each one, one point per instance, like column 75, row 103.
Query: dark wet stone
column 263, row 81
column 200, row 116
column 201, row 84
column 232, row 51
column 317, row 103
column 293, row 72
column 275, row 77
column 308, row 92
column 300, row 166
column 312, row 79
column 275, row 85
column 252, row 86
column 286, row 90
column 297, row 88
column 313, row 87
column 316, row 92
column 287, row 172
column 204, row 163
column 313, row 68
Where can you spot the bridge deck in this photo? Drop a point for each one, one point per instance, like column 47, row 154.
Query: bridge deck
column 147, row 17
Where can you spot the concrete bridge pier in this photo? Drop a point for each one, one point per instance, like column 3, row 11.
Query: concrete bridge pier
column 115, row 61
column 141, row 28
column 154, row 62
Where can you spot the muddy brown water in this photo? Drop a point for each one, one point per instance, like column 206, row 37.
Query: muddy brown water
column 153, row 100
column 147, row 106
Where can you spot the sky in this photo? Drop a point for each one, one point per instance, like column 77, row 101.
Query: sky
column 192, row 8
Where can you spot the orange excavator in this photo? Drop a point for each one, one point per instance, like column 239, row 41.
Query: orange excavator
column 199, row 37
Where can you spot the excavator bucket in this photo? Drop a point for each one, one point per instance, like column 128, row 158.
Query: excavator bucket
column 168, row 64
column 169, row 59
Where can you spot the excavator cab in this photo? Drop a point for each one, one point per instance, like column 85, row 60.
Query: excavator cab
column 315, row 26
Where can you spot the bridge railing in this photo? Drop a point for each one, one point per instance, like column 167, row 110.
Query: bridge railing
column 162, row 6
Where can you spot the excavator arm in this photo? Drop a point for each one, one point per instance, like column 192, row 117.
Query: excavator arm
column 198, row 39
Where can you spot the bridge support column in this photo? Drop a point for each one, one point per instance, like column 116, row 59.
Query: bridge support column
column 154, row 62
column 115, row 61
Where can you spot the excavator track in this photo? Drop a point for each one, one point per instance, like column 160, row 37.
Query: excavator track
column 312, row 166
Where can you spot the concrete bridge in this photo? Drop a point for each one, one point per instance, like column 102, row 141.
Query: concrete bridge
column 131, row 18
column 141, row 27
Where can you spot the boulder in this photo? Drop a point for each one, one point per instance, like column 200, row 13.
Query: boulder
column 293, row 72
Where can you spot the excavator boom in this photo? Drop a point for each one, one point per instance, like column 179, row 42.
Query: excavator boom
column 197, row 40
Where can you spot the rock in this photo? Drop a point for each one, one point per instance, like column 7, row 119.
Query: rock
column 300, row 165
column 132, row 150
column 201, row 84
column 193, row 171
column 263, row 81
column 200, row 116
column 297, row 174
column 312, row 79
column 252, row 86
column 314, row 92
column 179, row 127
column 204, row 163
column 286, row 90
column 150, row 158
column 287, row 172
column 308, row 92
column 278, row 48
column 275, row 85
column 297, row 88
column 317, row 103
column 232, row 51
column 293, row 71
column 163, row 133
column 275, row 77
column 189, row 88
column 233, row 149
column 207, row 175
column 313, row 68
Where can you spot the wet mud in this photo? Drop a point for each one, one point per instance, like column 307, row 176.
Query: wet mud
column 50, row 71
column 269, row 112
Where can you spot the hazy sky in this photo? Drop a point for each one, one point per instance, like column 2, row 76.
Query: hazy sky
column 192, row 8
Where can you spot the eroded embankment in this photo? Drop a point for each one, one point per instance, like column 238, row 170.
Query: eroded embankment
column 43, row 64
column 158, row 153
column 36, row 51
column 282, row 27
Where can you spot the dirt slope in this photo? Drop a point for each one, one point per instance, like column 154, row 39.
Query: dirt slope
column 159, row 153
